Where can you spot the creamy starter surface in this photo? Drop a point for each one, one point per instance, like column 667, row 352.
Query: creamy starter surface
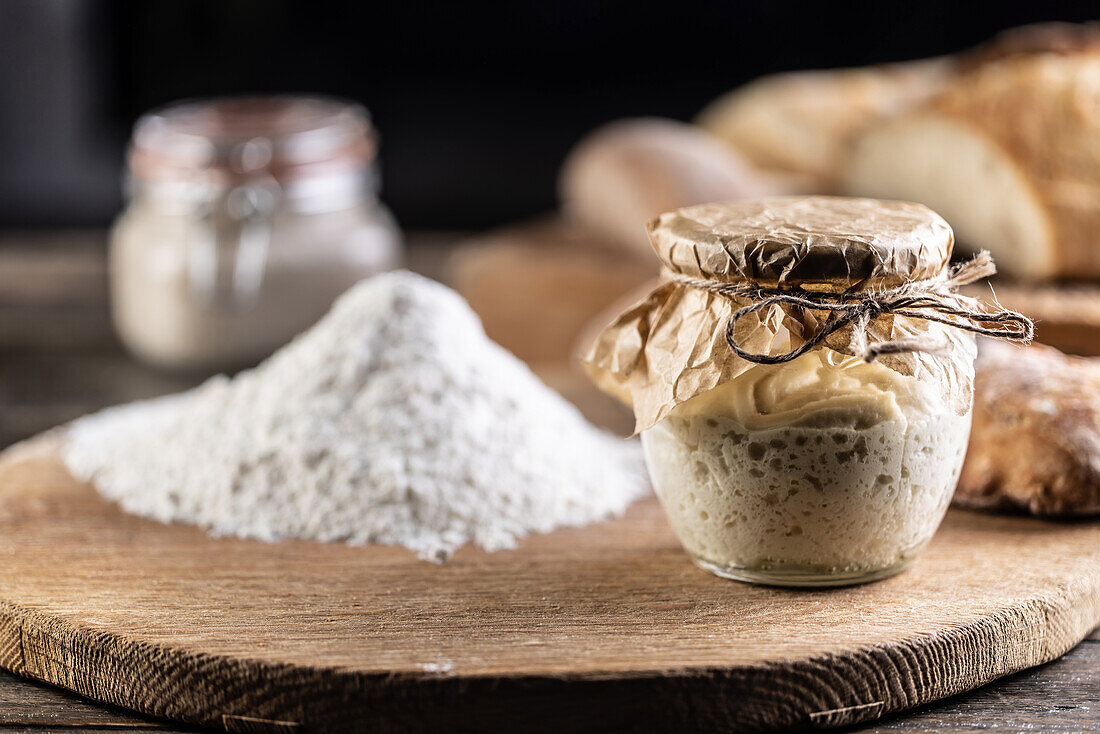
column 819, row 388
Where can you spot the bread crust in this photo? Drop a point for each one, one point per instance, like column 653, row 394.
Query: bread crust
column 1035, row 442
column 802, row 122
column 1043, row 110
column 1054, row 37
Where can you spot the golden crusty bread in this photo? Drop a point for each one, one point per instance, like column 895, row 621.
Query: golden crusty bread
column 1009, row 154
column 1054, row 37
column 1035, row 444
column 801, row 122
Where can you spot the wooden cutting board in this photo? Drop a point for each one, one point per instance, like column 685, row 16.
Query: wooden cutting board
column 603, row 628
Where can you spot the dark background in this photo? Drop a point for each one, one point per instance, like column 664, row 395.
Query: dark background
column 477, row 103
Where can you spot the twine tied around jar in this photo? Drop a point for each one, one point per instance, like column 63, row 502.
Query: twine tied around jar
column 932, row 299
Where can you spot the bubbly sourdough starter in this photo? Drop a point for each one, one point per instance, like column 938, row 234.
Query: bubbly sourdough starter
column 826, row 467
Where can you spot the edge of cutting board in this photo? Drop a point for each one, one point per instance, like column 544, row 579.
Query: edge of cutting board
column 63, row 645
column 820, row 692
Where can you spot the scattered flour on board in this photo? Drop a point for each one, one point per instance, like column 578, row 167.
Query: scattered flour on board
column 394, row 420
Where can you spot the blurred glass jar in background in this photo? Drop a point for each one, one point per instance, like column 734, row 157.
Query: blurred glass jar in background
column 246, row 218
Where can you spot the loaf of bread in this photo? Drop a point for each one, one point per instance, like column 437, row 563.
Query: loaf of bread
column 1035, row 442
column 1009, row 154
column 802, row 122
column 1054, row 37
column 627, row 172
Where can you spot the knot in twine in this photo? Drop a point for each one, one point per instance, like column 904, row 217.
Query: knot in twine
column 933, row 299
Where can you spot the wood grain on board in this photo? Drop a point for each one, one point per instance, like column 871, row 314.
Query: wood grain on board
column 27, row 704
column 1062, row 696
column 588, row 629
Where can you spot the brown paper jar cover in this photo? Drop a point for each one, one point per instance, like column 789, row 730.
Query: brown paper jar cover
column 816, row 242
column 671, row 346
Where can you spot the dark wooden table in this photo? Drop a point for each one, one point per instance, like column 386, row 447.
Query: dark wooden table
column 59, row 360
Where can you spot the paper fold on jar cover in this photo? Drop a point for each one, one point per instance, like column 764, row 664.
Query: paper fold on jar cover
column 671, row 346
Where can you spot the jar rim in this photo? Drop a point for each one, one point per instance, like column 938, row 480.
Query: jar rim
column 230, row 138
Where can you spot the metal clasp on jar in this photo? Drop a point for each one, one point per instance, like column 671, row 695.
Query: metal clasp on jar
column 227, row 253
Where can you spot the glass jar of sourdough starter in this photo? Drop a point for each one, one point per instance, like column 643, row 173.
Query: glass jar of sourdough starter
column 246, row 218
column 782, row 459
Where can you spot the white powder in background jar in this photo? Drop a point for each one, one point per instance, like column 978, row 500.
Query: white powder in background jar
column 394, row 420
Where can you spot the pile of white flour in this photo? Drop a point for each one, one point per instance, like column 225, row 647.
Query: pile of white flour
column 393, row 420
